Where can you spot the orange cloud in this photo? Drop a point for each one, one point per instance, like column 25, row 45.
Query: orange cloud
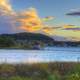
column 30, row 20
column 68, row 26
column 6, row 8
column 48, row 30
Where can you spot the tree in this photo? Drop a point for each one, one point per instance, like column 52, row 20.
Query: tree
column 6, row 42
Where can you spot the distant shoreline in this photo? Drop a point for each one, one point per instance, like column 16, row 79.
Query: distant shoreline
column 36, row 49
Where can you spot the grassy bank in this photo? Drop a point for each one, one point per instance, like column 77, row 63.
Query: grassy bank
column 41, row 71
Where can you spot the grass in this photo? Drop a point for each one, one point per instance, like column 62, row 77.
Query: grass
column 41, row 71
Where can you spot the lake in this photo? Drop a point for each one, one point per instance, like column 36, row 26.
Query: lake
column 49, row 54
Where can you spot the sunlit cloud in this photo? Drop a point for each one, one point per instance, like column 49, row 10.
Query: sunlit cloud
column 69, row 34
column 30, row 20
column 50, row 30
column 68, row 26
column 47, row 30
column 71, row 27
column 6, row 8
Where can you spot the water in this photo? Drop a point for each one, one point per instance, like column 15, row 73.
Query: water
column 32, row 56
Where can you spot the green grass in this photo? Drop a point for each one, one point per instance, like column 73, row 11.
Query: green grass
column 42, row 71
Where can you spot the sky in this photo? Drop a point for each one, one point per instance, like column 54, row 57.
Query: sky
column 57, row 8
column 51, row 17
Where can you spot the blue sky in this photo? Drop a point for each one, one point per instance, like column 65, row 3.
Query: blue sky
column 57, row 8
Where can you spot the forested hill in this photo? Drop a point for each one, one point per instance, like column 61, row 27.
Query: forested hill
column 28, row 36
column 30, row 40
column 24, row 40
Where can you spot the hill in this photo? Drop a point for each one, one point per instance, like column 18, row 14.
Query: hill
column 32, row 41
column 24, row 40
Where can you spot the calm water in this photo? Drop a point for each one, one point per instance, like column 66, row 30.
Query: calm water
column 47, row 55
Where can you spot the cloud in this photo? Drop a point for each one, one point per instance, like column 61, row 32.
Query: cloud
column 48, row 18
column 71, row 27
column 74, row 12
column 5, row 7
column 30, row 21
column 7, row 17
column 68, row 26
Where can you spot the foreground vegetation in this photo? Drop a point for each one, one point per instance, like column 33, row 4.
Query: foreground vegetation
column 40, row 71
